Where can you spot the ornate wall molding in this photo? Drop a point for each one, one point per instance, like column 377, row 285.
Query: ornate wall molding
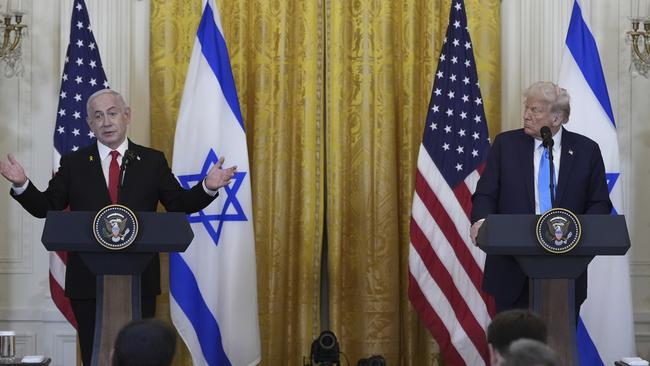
column 16, row 127
column 25, row 343
column 64, row 349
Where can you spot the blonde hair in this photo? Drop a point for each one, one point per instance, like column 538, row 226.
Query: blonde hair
column 558, row 98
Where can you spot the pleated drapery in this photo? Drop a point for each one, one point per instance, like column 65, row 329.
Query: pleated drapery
column 334, row 95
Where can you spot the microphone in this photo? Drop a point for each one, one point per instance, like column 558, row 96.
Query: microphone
column 129, row 157
column 547, row 138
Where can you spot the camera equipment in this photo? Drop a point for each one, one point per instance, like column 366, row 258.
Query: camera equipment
column 325, row 349
column 372, row 361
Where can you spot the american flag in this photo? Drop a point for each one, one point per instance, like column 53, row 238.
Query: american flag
column 82, row 76
column 445, row 268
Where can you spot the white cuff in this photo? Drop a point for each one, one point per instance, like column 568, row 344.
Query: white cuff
column 18, row 190
column 208, row 191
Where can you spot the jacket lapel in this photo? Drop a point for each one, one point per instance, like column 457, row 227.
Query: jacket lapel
column 96, row 175
column 130, row 173
column 527, row 147
column 566, row 164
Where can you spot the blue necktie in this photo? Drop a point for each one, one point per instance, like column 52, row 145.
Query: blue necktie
column 544, row 183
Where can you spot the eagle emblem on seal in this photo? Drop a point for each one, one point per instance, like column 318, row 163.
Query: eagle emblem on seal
column 557, row 229
column 115, row 228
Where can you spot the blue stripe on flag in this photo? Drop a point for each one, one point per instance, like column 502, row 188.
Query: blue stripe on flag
column 187, row 295
column 582, row 45
column 213, row 46
column 587, row 352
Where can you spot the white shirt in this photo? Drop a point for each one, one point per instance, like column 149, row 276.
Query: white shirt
column 105, row 156
column 537, row 155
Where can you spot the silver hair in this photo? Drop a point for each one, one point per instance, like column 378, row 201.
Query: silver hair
column 557, row 97
column 529, row 352
column 102, row 92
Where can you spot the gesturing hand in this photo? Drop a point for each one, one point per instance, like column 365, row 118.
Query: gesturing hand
column 13, row 171
column 217, row 177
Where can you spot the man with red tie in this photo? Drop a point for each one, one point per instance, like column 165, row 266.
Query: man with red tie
column 90, row 179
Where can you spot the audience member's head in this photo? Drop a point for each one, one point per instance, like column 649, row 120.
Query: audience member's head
column 510, row 325
column 147, row 342
column 529, row 352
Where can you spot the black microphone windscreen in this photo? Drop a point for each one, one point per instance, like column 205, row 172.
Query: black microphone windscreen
column 129, row 156
column 545, row 132
column 547, row 138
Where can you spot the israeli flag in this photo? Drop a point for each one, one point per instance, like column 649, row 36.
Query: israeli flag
column 606, row 329
column 213, row 284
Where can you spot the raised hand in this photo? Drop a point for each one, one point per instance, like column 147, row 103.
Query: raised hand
column 13, row 171
column 218, row 177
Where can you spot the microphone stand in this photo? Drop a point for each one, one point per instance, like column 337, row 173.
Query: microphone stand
column 126, row 161
column 549, row 148
column 122, row 169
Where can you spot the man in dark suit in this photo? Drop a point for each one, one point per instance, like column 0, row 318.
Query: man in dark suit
column 88, row 180
column 510, row 184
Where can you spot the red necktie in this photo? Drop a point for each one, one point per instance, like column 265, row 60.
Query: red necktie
column 113, row 176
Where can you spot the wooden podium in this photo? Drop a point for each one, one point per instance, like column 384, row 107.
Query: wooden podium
column 118, row 272
column 552, row 276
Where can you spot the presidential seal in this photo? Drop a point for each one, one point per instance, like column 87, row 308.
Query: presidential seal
column 558, row 230
column 115, row 227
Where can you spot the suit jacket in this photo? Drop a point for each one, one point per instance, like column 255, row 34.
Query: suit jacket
column 507, row 187
column 80, row 184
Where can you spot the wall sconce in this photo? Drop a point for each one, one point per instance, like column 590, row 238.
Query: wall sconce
column 640, row 46
column 12, row 34
column 639, row 38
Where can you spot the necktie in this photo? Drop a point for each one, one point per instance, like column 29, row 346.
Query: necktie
column 113, row 176
column 544, row 183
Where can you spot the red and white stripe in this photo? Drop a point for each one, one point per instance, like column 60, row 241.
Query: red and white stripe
column 446, row 269
column 58, row 261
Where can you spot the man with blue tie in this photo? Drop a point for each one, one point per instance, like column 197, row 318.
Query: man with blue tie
column 517, row 180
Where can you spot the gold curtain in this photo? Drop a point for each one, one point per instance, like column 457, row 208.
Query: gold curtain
column 276, row 52
column 381, row 59
column 173, row 29
column 335, row 90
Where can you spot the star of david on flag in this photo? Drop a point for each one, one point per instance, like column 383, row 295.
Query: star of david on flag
column 230, row 203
